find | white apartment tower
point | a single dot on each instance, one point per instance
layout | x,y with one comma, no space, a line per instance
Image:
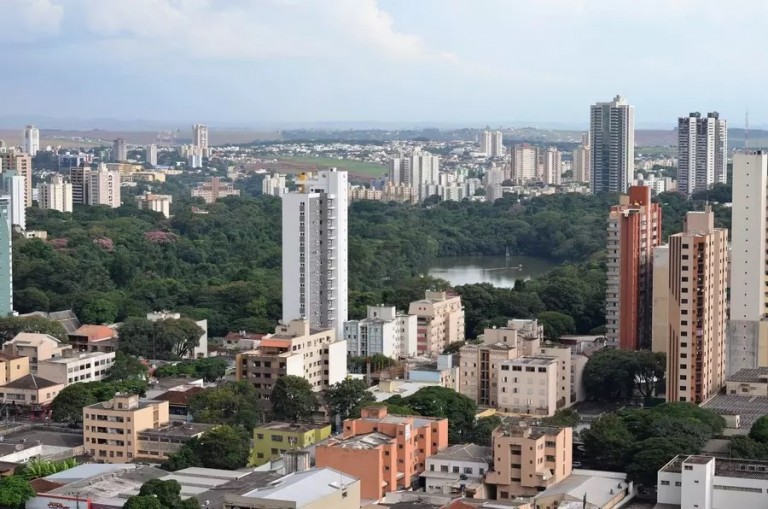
552,166
420,170
151,154
315,250
104,187
702,147
581,160
492,143
15,186
30,141
200,136
273,185
612,134
384,331
55,195
486,143
524,162
748,326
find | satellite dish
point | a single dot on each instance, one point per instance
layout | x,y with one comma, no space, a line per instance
107,404
522,424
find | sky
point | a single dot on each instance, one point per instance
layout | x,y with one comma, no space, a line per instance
453,62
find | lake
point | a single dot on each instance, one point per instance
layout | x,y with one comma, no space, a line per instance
497,270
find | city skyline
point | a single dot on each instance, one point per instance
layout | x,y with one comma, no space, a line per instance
280,62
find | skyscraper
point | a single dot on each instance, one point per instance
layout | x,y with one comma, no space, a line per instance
21,163
612,134
104,187
315,250
524,162
748,324
30,141
695,294
200,137
80,177
119,150
497,144
486,143
151,154
552,166
581,158
6,258
702,148
419,169
55,195
634,229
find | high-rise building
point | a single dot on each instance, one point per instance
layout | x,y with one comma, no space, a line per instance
55,195
315,250
612,135
695,295
30,141
200,136
440,321
581,160
702,150
384,331
11,160
13,185
486,143
273,185
634,230
553,163
104,187
6,257
492,143
748,324
119,150
80,177
151,154
524,162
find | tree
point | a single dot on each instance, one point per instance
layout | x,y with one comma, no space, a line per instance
556,324
142,502
482,433
233,403
652,454
30,299
211,369
15,491
454,347
608,442
566,417
225,447
168,493
292,399
747,448
10,326
759,430
649,372
182,335
185,457
98,309
126,367
168,339
43,468
345,398
443,402
68,404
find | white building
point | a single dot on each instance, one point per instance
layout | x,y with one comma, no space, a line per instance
702,152
553,163
419,169
612,135
458,470
486,143
156,203
528,385
201,350
524,163
315,250
104,188
80,367
453,192
582,160
119,150
151,154
15,186
200,137
747,336
492,143
384,331
55,195
273,185
30,142
704,482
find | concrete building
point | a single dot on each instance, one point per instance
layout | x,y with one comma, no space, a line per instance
529,459
156,203
492,143
76,367
6,257
55,195
528,386
582,160
21,163
419,170
13,185
12,367
316,488
386,452
294,349
748,325
634,230
384,331
157,443
439,322
274,185
199,351
30,140
458,471
119,150
150,154
695,293
30,391
612,136
704,482
315,251
93,338
111,428
400,193
200,137
444,372
524,163
553,163
702,152
744,400
38,347
603,490
214,189
103,187
272,440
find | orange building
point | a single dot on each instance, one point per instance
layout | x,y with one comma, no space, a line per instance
634,229
386,452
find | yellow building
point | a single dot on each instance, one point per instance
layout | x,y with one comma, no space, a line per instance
271,440
111,428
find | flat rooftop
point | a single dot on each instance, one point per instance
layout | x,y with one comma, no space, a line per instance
754,375
724,467
534,360
176,430
291,427
304,487
53,437
368,441
465,452
76,356
749,408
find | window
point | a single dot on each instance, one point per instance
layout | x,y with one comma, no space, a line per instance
665,483
455,470
468,470
443,468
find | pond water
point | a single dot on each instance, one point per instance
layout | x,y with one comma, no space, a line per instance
498,270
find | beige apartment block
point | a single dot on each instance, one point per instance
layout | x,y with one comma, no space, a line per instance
294,349
13,367
76,367
111,428
440,322
38,347
528,459
528,386
21,163
214,189
30,391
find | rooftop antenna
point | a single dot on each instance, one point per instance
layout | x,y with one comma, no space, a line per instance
746,129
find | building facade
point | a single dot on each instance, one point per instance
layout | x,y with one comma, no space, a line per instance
272,440
457,471
200,137
528,386
702,152
30,141
104,187
384,331
612,137
582,160
315,251
150,154
156,203
14,186
524,163
30,392
294,349
119,150
214,189
274,185
76,367
38,347
439,322
21,163
634,230
6,257
55,195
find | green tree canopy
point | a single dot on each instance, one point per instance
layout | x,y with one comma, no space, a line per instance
759,430
126,367
615,375
233,403
68,404
10,326
15,491
292,399
443,402
345,398
167,339
224,447
556,324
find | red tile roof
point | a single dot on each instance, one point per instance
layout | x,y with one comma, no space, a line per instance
44,486
179,397
95,332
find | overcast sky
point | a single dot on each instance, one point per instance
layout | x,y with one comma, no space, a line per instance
260,62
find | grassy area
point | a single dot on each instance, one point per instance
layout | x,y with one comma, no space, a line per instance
372,169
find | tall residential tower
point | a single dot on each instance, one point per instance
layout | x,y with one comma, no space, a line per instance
30,142
702,147
612,135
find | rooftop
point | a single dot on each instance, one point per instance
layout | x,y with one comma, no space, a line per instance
290,426
402,388
32,339
179,397
30,382
95,332
533,360
517,427
109,483
749,408
304,487
724,467
78,356
215,496
750,375
465,452
68,319
177,429
369,441
601,486
9,357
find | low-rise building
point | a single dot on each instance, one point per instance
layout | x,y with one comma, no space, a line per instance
178,401
528,459
439,322
294,349
111,428
443,371
386,452
30,391
602,490
744,400
93,338
459,470
272,440
528,386
704,482
387,388
156,203
384,331
77,367
214,189
38,347
13,367
156,444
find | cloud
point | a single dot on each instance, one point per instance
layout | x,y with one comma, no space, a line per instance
28,20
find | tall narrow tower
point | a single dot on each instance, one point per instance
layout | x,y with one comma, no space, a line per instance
31,140
612,134
702,147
